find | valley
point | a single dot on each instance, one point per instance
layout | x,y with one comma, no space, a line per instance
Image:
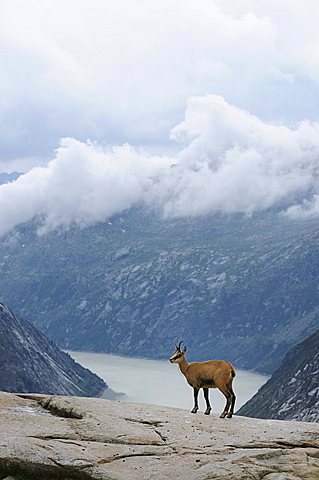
231,287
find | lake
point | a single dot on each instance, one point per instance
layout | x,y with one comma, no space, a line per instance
159,382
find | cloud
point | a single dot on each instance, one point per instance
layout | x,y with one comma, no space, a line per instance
306,209
83,184
122,70
237,163
230,161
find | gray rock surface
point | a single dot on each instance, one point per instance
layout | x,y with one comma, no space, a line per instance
292,392
30,362
89,438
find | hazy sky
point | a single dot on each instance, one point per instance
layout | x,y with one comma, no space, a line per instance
227,90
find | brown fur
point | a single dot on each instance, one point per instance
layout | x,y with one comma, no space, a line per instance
211,374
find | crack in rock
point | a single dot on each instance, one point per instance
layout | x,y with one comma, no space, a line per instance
84,440
153,423
61,409
80,463
131,455
277,444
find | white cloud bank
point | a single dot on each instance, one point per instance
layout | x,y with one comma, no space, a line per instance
231,162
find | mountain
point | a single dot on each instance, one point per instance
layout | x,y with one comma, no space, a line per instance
292,393
8,177
232,287
29,362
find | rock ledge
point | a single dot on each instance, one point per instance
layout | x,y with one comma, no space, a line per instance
87,438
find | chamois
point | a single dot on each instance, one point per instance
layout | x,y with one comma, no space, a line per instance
211,374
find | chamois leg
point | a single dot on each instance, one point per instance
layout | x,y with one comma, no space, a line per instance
196,390
233,399
208,407
228,402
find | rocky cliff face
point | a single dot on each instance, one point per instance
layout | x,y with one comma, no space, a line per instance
236,288
29,362
93,439
292,392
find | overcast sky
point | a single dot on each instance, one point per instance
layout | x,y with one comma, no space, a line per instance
225,89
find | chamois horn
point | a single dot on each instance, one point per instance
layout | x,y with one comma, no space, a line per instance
179,345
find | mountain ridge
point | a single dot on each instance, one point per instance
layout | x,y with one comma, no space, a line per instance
30,362
292,392
231,287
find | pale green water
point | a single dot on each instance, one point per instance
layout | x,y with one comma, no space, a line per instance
159,382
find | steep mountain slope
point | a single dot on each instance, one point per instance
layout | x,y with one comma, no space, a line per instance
292,393
29,362
238,288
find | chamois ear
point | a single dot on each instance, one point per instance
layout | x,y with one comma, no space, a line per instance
185,349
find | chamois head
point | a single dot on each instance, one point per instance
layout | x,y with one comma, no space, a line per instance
178,355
